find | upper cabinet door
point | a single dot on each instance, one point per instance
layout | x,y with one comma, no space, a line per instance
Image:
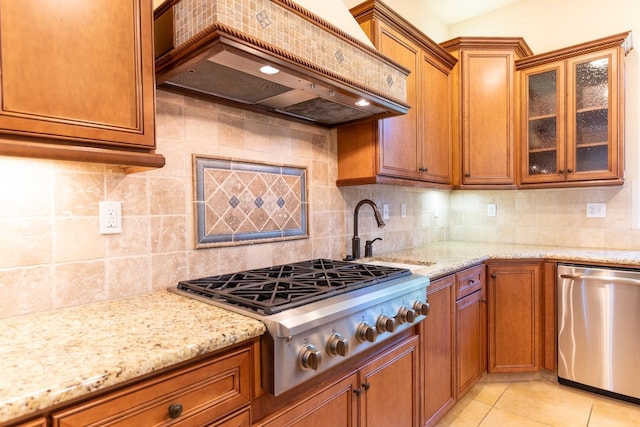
592,134
400,153
77,74
543,156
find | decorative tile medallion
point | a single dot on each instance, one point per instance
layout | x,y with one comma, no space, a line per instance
239,203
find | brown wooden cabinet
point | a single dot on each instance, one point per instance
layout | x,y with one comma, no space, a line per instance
412,149
484,110
515,316
382,392
39,422
470,325
78,81
214,392
573,114
437,337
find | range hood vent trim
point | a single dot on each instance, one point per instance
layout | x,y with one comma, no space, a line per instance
204,43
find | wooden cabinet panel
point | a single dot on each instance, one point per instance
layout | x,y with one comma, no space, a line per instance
40,422
469,281
437,349
484,110
514,306
469,341
400,151
550,332
573,114
196,395
78,75
335,405
412,149
436,123
390,388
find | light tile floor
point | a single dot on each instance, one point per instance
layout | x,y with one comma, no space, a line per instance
509,401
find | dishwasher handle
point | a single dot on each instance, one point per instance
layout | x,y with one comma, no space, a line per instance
623,280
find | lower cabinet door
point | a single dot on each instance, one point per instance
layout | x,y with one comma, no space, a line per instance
437,346
515,313
335,406
389,388
470,340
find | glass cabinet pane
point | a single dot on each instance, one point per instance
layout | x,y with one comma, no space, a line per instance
542,94
542,124
592,115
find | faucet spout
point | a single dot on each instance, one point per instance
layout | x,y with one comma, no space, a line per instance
355,241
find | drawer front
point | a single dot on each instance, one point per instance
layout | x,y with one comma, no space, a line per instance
204,391
469,281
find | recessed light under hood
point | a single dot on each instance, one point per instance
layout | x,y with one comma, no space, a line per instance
215,49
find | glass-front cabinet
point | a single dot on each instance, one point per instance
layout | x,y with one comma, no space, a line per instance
572,115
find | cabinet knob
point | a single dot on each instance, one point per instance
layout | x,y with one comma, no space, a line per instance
467,175
175,410
424,169
569,170
494,275
560,170
366,386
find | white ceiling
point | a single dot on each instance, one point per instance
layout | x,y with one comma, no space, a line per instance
452,11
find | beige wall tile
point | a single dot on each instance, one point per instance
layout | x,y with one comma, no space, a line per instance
77,239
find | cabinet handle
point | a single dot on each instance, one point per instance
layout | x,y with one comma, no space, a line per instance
357,391
569,170
175,410
366,386
484,301
494,275
560,170
468,175
424,169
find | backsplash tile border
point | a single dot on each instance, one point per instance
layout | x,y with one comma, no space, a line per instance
240,202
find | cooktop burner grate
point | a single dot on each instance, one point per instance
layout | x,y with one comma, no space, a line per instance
274,289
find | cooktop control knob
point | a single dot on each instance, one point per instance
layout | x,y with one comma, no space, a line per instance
406,315
337,345
309,357
422,308
385,324
365,333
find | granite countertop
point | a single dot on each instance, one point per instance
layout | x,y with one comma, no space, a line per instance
439,259
51,357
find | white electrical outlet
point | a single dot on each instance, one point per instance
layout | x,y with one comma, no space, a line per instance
110,217
385,211
596,210
491,209
403,210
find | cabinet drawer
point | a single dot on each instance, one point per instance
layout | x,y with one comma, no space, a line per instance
468,281
206,392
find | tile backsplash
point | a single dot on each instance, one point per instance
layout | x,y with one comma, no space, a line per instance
52,255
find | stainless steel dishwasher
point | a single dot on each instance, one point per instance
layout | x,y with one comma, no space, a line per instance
599,330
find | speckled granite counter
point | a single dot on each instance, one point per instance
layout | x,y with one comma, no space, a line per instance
51,357
449,257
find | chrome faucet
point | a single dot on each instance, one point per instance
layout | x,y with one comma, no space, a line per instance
355,241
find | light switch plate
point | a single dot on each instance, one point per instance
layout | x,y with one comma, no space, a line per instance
403,210
596,210
491,209
110,217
